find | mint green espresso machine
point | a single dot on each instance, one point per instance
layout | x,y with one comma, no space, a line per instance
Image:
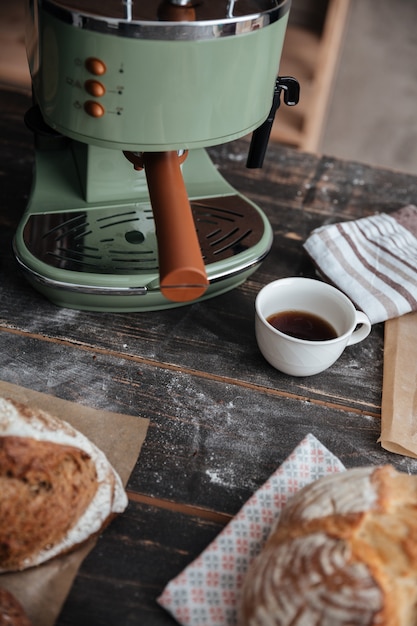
127,211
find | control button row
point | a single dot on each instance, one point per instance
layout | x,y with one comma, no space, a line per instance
95,88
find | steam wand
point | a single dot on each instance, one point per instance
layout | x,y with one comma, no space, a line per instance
127,5
260,136
230,7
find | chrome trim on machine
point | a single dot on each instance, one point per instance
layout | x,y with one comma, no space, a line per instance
166,31
96,290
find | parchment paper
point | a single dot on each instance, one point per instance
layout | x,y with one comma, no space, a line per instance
42,590
399,390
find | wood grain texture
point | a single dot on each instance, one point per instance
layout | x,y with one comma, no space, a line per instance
221,419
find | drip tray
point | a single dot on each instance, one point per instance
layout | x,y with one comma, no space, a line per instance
121,239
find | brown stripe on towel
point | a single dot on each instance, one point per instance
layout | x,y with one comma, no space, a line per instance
399,288
384,301
395,240
395,286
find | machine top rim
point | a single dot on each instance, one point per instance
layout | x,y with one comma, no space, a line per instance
213,18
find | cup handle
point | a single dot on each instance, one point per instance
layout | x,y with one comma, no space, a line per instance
363,329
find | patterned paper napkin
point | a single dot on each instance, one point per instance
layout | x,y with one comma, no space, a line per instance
206,593
373,260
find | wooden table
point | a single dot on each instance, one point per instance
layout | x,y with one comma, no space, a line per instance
221,419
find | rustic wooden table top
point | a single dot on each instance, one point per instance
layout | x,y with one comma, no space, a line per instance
221,419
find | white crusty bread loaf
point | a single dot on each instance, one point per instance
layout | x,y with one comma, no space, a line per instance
344,552
57,488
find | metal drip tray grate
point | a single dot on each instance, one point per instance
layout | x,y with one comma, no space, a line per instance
122,240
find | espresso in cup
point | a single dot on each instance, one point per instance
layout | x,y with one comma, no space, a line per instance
302,325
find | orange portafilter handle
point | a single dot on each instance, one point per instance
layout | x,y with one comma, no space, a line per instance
181,267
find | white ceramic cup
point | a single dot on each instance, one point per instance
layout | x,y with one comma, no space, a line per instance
302,357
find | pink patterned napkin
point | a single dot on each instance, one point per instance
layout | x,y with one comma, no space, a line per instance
206,592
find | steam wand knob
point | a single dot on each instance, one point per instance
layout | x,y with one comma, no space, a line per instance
260,137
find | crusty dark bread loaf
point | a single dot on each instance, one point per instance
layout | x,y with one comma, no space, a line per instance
344,552
11,611
56,488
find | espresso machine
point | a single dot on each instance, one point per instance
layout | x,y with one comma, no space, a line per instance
127,211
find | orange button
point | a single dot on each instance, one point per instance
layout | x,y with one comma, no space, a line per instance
93,108
95,88
95,66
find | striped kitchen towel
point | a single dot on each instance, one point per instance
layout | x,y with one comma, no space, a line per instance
373,260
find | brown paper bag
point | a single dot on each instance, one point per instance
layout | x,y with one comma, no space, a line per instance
42,590
399,390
